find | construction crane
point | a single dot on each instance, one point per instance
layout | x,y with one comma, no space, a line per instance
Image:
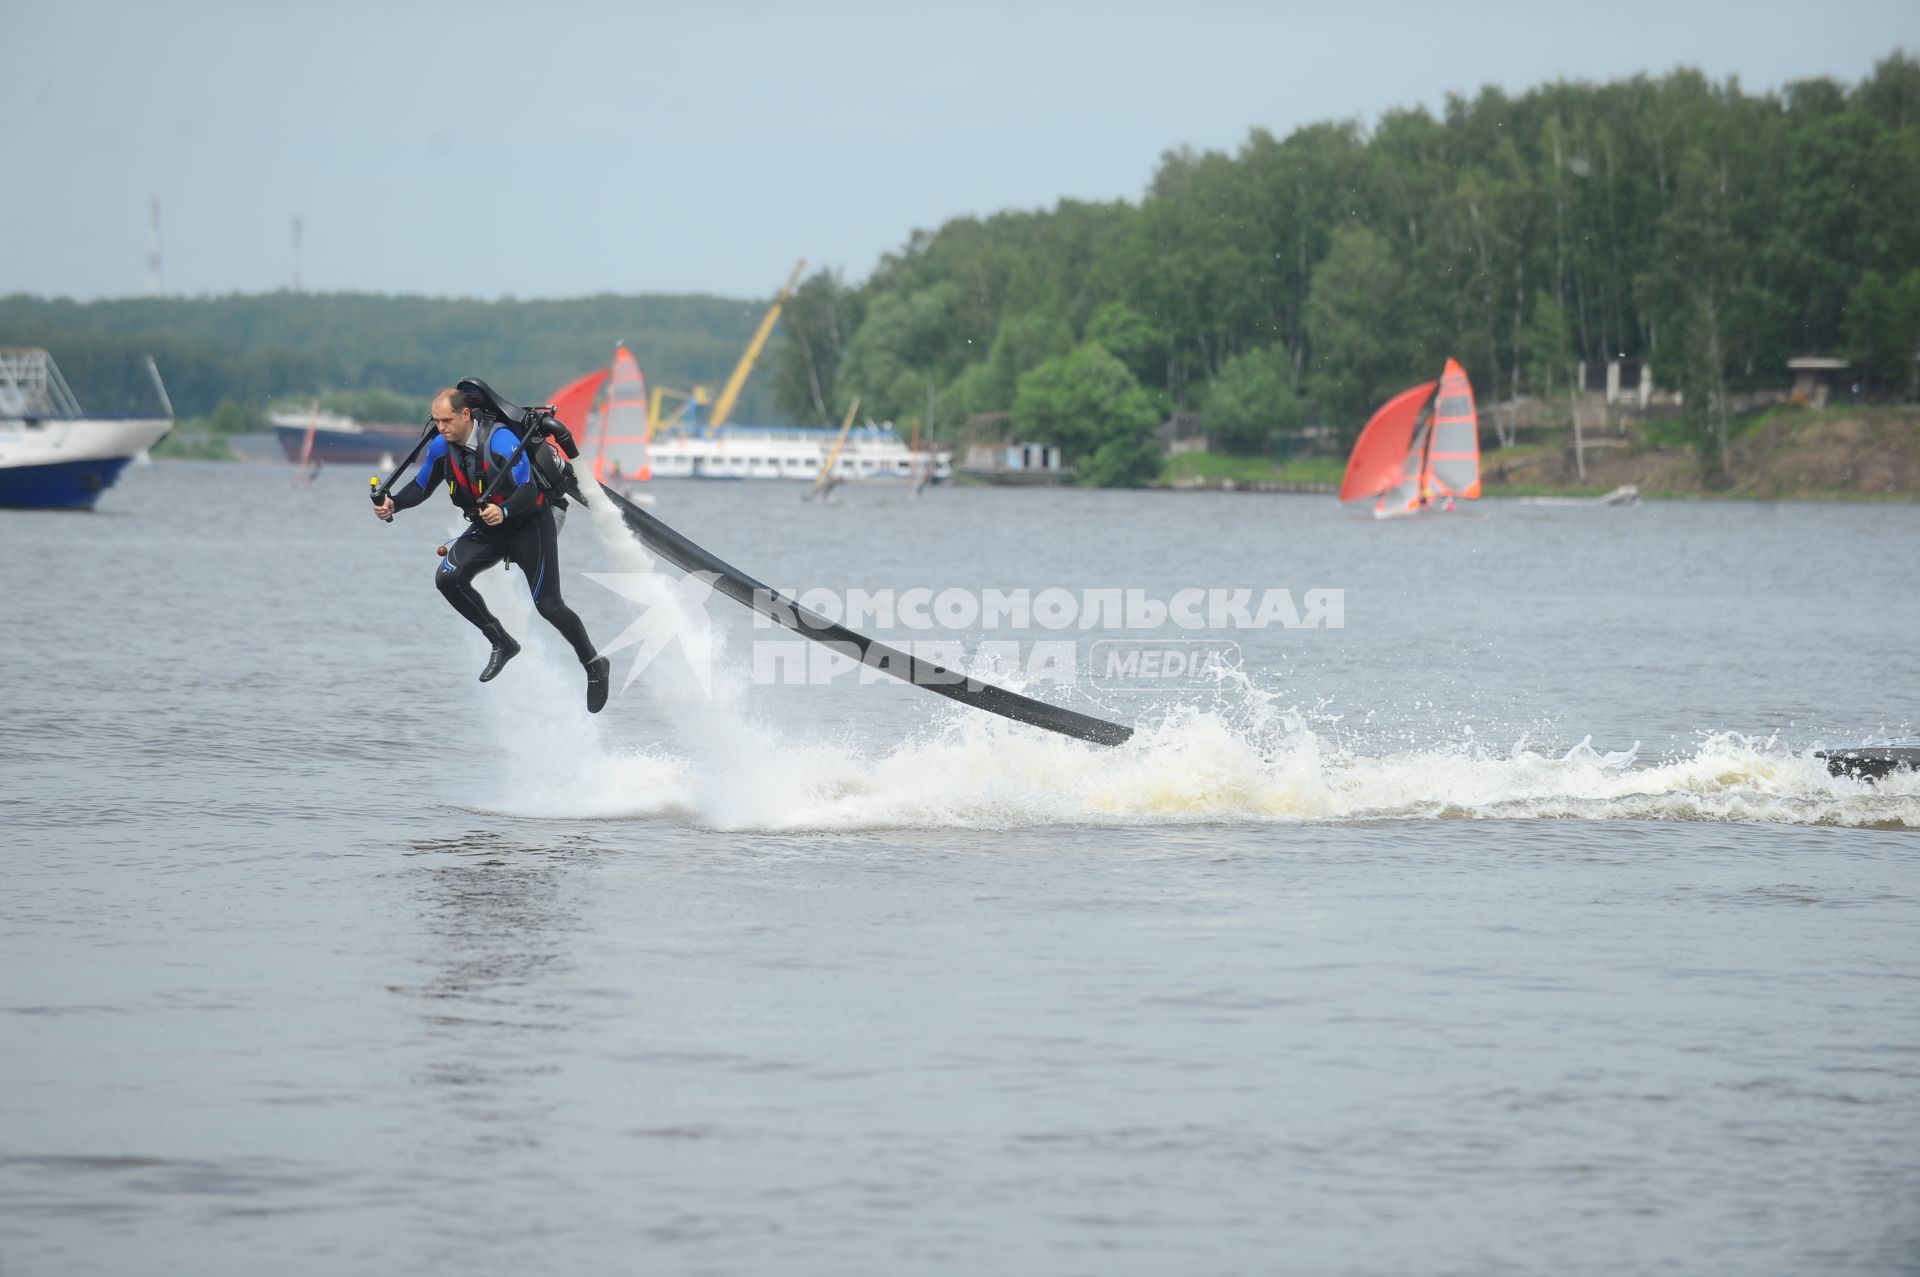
700,396
686,414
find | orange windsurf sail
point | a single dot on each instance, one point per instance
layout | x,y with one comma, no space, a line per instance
1380,453
572,401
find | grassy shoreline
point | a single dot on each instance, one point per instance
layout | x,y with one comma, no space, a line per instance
1865,454
1869,455
192,445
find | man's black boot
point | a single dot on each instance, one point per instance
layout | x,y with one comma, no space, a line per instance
504,650
597,670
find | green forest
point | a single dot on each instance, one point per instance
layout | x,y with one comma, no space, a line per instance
1709,231
255,351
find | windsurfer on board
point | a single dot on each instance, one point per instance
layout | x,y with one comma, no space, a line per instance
517,523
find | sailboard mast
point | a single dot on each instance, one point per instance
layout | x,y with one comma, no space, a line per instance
308,470
824,480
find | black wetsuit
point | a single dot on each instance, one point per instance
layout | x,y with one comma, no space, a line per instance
529,535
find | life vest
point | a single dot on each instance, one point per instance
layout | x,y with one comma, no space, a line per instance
469,470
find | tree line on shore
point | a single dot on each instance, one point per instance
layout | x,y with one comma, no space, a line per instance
1712,232
1709,231
282,349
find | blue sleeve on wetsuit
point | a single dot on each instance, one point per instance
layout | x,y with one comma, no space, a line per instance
502,444
415,490
435,451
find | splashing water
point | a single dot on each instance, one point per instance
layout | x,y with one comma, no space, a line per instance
1246,757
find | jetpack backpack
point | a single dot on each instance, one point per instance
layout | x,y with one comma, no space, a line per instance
550,446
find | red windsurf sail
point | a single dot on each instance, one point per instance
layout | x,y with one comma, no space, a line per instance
1380,453
572,402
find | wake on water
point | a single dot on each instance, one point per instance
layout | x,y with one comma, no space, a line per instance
1243,759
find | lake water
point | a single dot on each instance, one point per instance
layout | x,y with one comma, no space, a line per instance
1509,927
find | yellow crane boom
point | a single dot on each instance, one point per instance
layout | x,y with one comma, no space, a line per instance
723,406
688,401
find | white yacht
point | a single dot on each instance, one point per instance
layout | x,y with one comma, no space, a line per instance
52,455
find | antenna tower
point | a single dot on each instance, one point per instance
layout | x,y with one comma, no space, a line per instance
153,247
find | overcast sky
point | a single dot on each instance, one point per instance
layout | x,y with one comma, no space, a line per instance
556,149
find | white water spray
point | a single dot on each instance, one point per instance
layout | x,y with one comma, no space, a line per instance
1248,757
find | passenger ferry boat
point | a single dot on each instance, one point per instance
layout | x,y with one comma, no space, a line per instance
52,455
792,452
628,438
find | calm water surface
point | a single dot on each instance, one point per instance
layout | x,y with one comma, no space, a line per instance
1509,928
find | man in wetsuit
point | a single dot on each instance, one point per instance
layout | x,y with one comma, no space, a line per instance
517,522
